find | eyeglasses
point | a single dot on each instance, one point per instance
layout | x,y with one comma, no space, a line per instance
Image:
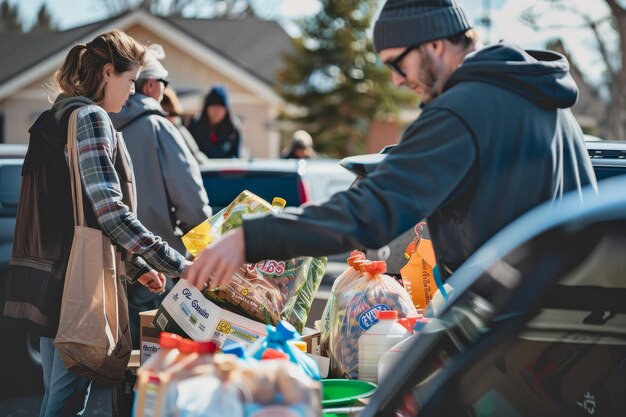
394,64
165,82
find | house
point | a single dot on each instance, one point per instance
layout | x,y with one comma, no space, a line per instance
243,54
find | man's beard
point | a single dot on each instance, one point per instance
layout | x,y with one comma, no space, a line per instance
429,79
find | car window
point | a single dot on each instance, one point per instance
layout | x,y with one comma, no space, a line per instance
604,172
10,183
223,187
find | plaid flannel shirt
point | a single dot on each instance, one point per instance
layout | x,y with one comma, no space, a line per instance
96,144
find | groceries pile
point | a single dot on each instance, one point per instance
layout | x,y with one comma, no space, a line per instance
248,359
187,378
266,291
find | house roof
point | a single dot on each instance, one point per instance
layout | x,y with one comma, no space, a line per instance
24,50
256,45
253,45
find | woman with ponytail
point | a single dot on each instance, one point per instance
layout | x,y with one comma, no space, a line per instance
96,78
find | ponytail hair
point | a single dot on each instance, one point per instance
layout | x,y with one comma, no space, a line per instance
81,72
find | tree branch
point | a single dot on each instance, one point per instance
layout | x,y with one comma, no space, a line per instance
616,9
604,53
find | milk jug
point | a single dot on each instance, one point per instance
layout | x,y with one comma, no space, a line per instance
377,340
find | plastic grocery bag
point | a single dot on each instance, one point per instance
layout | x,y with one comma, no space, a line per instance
417,275
278,338
356,297
267,291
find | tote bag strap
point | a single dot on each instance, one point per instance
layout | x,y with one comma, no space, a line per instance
75,182
79,217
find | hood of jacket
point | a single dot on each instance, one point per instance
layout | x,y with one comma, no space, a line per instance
137,106
48,134
541,76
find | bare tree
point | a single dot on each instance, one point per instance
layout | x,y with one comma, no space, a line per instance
232,9
611,53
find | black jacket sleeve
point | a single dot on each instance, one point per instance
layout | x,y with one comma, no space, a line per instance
432,161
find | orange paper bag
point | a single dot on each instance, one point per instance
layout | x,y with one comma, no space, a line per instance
417,275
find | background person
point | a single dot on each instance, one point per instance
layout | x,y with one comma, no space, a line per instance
301,146
96,77
496,137
166,174
174,109
215,129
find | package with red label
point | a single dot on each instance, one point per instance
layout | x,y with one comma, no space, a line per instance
357,296
267,291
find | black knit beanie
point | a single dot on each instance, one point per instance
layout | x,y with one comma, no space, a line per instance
414,22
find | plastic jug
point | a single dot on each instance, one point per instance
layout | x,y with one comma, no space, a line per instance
377,340
155,381
396,352
148,380
392,356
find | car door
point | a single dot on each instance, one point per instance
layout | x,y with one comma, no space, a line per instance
536,325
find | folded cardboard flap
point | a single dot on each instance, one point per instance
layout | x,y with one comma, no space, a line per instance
312,339
148,335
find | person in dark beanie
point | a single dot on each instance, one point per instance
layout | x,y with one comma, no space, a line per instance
495,138
215,129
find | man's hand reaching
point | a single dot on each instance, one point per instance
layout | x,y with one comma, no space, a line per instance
216,264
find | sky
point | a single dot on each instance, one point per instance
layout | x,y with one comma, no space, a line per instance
504,16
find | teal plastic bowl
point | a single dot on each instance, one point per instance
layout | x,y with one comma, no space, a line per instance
344,392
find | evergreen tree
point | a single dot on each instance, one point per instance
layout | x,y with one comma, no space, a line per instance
9,17
44,22
335,76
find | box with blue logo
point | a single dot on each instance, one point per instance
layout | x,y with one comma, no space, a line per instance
185,311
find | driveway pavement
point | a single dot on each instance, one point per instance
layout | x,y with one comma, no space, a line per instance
99,404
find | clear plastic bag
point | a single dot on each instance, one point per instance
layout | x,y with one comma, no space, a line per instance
356,297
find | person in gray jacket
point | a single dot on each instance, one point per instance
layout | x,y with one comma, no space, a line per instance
166,174
495,138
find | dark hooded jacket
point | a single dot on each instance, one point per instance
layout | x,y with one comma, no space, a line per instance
222,140
498,141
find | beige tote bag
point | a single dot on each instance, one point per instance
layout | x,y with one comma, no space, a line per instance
93,336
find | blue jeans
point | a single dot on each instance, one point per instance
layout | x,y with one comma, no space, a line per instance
66,394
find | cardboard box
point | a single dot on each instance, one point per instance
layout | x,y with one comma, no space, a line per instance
185,311
312,339
148,335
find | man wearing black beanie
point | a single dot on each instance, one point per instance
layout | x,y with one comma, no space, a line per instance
495,138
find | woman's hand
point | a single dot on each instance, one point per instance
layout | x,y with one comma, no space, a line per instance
154,281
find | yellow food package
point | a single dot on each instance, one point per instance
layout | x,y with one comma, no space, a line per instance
228,218
267,291
198,238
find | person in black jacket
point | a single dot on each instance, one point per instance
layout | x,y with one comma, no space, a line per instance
216,129
495,138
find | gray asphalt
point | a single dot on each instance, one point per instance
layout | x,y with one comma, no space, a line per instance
99,404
